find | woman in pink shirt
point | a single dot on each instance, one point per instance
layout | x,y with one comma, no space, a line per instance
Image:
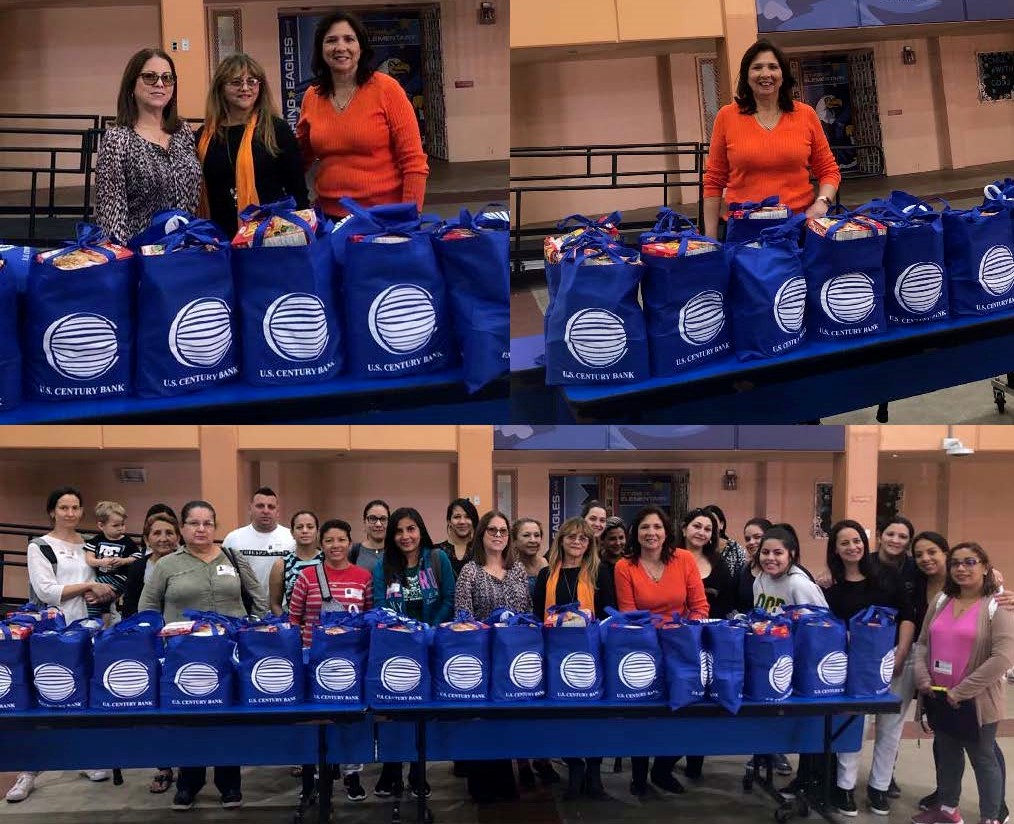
965,648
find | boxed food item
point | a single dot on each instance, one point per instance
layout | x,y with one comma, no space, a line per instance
779,630
570,618
43,614
84,257
19,632
853,229
552,247
380,239
463,626
459,233
778,212
671,248
177,628
156,249
279,232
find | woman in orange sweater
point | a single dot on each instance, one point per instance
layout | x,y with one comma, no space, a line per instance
662,579
358,125
766,143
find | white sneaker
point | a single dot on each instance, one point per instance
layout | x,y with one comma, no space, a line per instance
22,788
96,775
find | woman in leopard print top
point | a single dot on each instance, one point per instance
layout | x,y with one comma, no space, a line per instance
494,577
146,162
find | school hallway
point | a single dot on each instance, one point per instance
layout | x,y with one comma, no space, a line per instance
270,793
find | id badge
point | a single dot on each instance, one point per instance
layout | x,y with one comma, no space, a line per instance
943,667
226,569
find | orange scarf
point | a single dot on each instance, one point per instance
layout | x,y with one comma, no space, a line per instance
585,590
246,185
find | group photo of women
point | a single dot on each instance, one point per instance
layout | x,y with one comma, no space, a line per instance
954,636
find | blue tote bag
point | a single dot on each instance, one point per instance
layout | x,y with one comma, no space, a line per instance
724,667
186,320
573,659
597,333
872,635
748,227
198,669
396,308
477,272
270,667
767,657
15,694
631,656
162,223
518,657
337,662
362,220
687,667
767,295
62,665
398,671
289,332
979,250
10,349
685,301
820,657
125,669
845,282
459,660
78,331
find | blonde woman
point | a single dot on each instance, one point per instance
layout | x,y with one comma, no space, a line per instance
248,154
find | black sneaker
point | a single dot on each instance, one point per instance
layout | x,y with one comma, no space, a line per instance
638,788
353,788
386,787
183,800
415,790
893,790
1004,816
231,799
844,801
929,802
879,802
667,782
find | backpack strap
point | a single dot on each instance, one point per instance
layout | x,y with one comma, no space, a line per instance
244,594
47,551
435,564
322,584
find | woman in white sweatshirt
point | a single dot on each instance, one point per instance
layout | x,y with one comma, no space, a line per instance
782,581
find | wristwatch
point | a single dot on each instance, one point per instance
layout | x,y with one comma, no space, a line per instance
826,200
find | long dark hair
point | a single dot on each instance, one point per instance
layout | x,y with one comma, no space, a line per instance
322,80
989,585
126,104
744,94
668,545
394,558
905,522
467,507
834,562
789,540
710,550
716,510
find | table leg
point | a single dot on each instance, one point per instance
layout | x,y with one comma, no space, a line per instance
825,784
323,777
422,813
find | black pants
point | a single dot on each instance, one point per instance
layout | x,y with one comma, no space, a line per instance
491,780
191,779
392,770
639,766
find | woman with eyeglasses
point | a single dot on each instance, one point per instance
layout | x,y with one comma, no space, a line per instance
203,576
357,126
494,578
146,161
576,575
248,153
369,552
964,650
462,524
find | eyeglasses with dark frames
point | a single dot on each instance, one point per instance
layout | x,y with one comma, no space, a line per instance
152,78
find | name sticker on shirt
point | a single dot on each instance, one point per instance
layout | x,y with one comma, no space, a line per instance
226,569
943,667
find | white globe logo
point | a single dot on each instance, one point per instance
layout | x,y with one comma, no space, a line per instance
201,333
335,674
295,327
400,674
996,270
54,682
273,675
707,668
596,338
637,670
402,319
126,679
196,679
526,670
887,667
780,675
919,287
790,305
81,346
848,298
578,670
832,669
6,681
504,216
463,672
702,318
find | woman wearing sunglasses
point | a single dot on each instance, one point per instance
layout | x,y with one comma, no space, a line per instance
248,154
965,647
146,160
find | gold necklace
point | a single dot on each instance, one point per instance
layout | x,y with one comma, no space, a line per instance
765,126
655,576
343,106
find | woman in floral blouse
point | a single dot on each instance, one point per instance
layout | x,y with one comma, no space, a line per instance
146,161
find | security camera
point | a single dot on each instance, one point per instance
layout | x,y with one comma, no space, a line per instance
954,446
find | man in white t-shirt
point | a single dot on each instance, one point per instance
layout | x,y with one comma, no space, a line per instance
263,540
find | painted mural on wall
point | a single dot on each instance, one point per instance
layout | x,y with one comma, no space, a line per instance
996,76
797,15
824,85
